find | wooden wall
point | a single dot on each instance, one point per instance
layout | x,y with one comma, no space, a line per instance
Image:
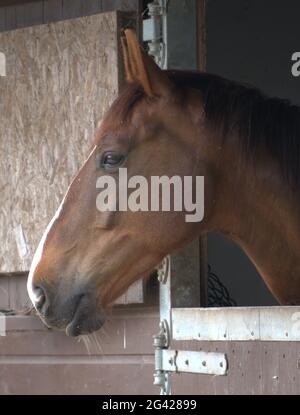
44,11
119,360
61,78
36,360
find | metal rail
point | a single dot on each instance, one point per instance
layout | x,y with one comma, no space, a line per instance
274,323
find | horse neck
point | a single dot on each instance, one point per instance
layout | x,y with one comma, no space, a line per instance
257,210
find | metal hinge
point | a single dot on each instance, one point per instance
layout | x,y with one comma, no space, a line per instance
163,270
154,31
179,361
161,343
182,361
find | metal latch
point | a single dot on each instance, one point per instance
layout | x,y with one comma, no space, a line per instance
154,31
178,361
181,361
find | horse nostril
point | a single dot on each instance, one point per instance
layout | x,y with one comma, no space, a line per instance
40,298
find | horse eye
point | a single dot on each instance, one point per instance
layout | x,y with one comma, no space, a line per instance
111,160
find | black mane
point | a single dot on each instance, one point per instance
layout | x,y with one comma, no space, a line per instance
258,121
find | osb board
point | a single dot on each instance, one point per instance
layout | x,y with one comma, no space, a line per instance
61,78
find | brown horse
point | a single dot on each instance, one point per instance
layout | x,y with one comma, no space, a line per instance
185,124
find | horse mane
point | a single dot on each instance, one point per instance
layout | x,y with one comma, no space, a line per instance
258,121
233,109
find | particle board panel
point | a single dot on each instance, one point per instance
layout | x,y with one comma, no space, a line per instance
17,14
61,79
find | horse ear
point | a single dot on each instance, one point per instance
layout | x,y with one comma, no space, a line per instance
140,67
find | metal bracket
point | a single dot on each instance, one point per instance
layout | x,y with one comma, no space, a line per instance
163,269
276,323
161,342
154,31
178,361
182,361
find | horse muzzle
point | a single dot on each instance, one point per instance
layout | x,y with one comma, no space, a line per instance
77,314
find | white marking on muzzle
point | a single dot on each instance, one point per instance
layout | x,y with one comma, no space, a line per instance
39,252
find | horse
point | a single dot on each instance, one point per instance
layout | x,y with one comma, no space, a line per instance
173,123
